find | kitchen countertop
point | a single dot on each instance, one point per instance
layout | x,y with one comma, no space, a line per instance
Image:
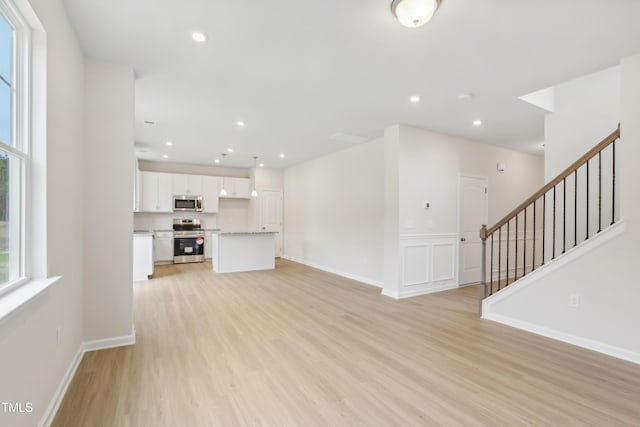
143,232
245,232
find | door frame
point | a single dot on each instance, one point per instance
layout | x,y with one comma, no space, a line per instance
458,217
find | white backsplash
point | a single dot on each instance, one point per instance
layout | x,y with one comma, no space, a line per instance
164,221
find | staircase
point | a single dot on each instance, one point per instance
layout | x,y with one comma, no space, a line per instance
578,204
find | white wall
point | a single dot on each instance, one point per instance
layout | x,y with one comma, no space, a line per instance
587,109
422,256
108,222
604,277
334,212
429,166
32,364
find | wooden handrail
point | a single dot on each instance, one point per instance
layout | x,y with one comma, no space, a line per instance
568,171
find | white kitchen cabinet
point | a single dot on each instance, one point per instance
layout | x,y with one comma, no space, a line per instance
156,192
237,188
187,185
210,194
142,256
163,245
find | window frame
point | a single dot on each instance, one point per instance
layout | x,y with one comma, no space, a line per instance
20,146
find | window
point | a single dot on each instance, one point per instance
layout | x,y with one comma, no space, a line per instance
14,146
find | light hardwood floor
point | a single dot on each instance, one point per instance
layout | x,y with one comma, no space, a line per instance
300,347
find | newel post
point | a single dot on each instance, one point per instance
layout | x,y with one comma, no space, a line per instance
483,277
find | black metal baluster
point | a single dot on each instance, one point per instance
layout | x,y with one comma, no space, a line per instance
575,208
599,191
491,273
553,240
524,245
515,269
613,184
564,215
586,237
508,244
533,264
544,225
499,255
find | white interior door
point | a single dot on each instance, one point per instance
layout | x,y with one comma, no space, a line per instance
271,215
472,208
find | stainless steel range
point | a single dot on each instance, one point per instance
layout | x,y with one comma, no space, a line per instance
188,241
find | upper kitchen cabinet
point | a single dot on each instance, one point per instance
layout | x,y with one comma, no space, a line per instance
237,188
210,194
187,185
156,192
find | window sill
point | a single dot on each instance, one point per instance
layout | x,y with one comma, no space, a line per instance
13,301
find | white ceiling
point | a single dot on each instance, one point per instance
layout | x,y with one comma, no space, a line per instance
300,71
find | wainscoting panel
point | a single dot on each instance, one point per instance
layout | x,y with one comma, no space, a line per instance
428,264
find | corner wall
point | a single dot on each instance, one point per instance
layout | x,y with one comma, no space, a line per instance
423,254
108,220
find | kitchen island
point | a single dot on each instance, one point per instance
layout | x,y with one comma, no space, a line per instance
235,251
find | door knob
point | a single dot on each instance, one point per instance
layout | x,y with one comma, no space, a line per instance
462,239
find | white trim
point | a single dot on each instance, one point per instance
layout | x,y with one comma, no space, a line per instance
418,292
428,236
355,277
58,396
600,347
84,347
12,302
111,342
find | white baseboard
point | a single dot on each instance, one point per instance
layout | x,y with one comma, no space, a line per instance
600,347
51,411
355,277
84,347
110,342
418,292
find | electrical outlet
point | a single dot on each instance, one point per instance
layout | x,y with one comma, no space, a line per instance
574,301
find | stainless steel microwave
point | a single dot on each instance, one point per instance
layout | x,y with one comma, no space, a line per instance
187,203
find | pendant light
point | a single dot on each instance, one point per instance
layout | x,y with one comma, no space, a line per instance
223,191
254,192
414,13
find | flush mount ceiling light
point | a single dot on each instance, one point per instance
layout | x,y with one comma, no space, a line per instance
199,37
414,13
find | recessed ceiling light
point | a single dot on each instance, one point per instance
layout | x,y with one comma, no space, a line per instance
240,123
165,156
149,123
199,37
477,122
414,99
261,165
168,143
217,160
466,96
282,156
230,150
